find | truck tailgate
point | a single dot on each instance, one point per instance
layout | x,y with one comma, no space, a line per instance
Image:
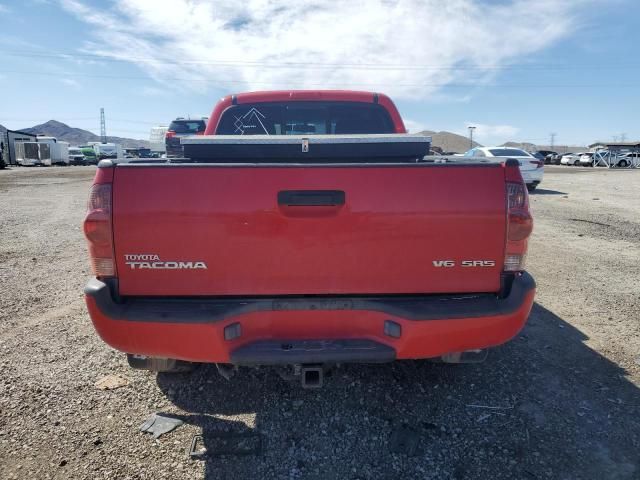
303,229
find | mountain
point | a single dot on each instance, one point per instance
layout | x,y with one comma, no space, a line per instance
529,147
449,142
77,136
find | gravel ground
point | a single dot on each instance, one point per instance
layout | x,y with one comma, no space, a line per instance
560,401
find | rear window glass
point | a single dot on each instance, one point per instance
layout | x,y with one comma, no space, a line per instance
305,118
187,126
508,152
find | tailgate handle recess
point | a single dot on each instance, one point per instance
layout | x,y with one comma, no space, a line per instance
311,198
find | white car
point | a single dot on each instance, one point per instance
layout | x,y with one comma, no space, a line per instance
586,159
571,159
531,168
627,159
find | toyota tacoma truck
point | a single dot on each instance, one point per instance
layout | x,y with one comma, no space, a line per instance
307,229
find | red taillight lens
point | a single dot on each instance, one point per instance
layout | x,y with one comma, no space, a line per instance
170,134
519,221
97,230
519,226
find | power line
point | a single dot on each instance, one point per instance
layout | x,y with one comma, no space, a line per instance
270,64
235,82
74,119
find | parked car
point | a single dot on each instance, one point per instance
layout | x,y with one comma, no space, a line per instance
627,159
555,158
181,127
586,159
621,160
255,258
545,155
89,154
531,168
571,159
76,157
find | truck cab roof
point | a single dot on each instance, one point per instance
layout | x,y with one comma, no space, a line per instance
290,96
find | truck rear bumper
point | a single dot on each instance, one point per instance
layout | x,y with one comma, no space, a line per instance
283,330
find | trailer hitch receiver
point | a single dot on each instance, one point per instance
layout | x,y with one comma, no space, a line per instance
312,376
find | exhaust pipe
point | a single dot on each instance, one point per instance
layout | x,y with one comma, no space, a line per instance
312,376
469,356
157,364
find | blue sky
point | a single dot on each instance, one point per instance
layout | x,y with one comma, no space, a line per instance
518,70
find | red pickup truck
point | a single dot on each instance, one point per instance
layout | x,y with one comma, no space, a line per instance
307,228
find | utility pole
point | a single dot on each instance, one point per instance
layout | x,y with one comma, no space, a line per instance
103,127
623,137
553,138
471,129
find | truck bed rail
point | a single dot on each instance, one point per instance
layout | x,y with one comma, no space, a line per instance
287,148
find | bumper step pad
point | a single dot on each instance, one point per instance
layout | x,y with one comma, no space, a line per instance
286,352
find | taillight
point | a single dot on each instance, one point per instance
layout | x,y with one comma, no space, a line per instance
519,220
537,163
170,134
98,231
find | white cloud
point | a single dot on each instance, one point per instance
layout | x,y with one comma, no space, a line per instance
13,41
70,82
152,91
414,126
407,48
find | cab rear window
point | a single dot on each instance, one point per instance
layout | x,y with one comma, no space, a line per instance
187,126
305,118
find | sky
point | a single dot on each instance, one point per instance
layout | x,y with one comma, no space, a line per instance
516,70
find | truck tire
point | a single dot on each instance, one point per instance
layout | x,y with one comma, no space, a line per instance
153,364
622,163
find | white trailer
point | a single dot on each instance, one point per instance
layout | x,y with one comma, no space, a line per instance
112,151
58,152
44,152
14,137
27,154
157,139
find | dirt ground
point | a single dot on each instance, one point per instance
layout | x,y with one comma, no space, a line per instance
560,401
